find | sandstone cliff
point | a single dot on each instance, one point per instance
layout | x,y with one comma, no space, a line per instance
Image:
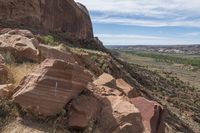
60,16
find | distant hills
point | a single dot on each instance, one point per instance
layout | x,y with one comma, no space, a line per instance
184,49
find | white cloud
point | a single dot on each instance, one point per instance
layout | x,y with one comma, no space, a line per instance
148,7
130,36
191,34
152,12
127,39
148,23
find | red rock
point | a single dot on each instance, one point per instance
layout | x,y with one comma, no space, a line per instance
84,109
6,90
45,15
111,84
105,90
2,61
4,72
3,90
126,89
47,90
152,114
53,53
119,116
105,79
19,44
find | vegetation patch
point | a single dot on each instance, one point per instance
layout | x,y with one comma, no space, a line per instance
19,71
8,112
168,58
49,40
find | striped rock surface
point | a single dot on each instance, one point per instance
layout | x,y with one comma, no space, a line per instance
47,90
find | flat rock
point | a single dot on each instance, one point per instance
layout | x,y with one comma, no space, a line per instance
51,86
152,114
84,109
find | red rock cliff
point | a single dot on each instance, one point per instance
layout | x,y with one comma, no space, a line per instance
63,16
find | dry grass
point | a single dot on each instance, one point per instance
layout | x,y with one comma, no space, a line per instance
19,71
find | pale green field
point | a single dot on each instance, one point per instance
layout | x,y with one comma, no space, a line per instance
185,73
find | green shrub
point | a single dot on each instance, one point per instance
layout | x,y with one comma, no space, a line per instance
93,57
168,58
105,66
49,40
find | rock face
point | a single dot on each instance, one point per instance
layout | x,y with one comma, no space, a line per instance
84,109
4,72
20,44
152,114
47,90
119,116
46,15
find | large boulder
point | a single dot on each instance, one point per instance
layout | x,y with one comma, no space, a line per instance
119,116
152,114
84,110
63,16
4,72
20,44
51,86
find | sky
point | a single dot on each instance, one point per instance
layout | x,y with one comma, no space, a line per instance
145,22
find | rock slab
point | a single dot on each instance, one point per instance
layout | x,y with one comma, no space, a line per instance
152,114
51,86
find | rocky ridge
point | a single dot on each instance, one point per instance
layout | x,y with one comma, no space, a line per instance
60,81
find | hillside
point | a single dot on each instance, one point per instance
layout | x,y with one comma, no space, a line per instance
56,77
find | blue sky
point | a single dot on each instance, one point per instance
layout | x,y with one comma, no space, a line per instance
145,22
